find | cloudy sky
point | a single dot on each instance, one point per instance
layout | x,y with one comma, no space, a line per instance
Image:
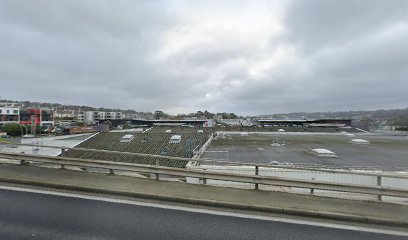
248,57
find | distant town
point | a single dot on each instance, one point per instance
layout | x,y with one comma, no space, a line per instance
27,118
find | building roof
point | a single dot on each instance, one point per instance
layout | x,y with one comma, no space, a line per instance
147,146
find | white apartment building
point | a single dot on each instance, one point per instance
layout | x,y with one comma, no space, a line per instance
91,117
237,122
64,113
9,115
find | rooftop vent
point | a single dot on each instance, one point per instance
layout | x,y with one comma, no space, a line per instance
127,138
175,139
359,141
168,131
322,152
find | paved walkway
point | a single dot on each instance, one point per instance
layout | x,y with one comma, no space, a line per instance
277,202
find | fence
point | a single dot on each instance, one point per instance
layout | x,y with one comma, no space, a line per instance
255,178
371,179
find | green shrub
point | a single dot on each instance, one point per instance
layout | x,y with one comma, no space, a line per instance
12,129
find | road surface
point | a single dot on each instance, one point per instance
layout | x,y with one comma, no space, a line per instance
31,215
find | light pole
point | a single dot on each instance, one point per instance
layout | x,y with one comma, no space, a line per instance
33,127
21,129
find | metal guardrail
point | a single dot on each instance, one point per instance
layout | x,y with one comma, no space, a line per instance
203,174
378,173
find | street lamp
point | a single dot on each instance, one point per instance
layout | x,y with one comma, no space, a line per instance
21,129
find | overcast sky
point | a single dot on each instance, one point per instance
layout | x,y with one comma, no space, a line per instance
248,57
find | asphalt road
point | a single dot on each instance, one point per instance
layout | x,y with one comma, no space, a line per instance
26,215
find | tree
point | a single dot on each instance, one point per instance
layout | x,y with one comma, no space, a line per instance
159,114
13,129
233,116
109,123
80,124
365,123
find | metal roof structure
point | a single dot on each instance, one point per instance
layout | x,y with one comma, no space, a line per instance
148,145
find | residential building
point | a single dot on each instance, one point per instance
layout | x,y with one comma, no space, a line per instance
91,117
64,114
9,115
42,117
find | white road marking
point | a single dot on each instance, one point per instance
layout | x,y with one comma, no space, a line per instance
205,211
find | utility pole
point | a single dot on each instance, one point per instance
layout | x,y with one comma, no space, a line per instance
33,127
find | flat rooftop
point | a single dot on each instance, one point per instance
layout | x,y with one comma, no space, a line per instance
383,152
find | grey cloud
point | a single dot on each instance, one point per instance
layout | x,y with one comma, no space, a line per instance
329,55
319,23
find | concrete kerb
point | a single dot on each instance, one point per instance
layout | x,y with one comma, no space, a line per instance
218,204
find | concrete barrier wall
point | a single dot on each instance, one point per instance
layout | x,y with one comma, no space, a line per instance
345,178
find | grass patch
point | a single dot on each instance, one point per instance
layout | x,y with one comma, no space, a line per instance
4,140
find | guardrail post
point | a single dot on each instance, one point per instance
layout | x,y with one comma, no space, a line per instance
24,162
204,180
62,166
312,189
379,196
156,174
111,172
256,174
